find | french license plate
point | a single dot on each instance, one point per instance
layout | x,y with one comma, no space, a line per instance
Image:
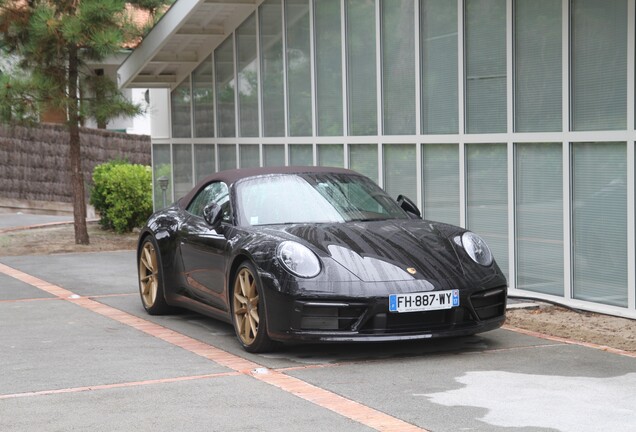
427,301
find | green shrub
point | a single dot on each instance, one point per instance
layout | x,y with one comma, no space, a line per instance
122,194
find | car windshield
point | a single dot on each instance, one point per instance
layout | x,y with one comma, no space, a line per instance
312,198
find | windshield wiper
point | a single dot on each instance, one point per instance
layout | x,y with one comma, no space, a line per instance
367,219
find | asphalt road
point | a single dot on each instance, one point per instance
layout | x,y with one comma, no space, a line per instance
78,352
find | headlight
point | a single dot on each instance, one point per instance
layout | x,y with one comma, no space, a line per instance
298,259
477,248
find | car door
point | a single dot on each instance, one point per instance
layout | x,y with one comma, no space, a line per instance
204,250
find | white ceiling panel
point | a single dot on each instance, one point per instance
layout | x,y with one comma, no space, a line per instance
188,32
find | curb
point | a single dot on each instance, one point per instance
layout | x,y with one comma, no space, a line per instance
44,225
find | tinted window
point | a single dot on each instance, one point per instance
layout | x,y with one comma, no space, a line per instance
214,192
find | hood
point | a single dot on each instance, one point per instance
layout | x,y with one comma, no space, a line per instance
389,250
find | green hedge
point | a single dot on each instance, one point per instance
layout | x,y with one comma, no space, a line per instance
122,195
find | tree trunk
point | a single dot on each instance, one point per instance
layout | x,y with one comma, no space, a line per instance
99,96
75,157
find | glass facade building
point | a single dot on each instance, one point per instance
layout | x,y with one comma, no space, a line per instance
512,118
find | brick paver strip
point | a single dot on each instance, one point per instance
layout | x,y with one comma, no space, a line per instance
324,398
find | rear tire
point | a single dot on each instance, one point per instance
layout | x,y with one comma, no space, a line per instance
248,310
151,284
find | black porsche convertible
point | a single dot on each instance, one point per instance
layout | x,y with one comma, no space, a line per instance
317,255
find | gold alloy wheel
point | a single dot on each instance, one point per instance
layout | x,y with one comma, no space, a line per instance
246,306
148,274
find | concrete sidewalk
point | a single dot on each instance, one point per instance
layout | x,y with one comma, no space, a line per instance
22,220
79,352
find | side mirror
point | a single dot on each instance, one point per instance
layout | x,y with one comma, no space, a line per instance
409,206
213,215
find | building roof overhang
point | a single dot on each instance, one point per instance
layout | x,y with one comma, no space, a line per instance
188,32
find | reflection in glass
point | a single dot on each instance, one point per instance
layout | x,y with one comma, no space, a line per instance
162,169
438,33
599,222
180,110
182,161
328,67
224,73
400,170
363,158
599,65
331,155
271,40
301,154
247,77
312,198
204,160
398,67
539,217
298,67
203,99
487,197
361,58
250,156
440,182
538,74
227,156
485,33
273,155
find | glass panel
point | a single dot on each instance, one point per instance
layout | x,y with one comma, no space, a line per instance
331,155
180,110
398,67
247,77
301,154
298,67
599,222
361,71
224,73
162,171
328,67
250,156
204,160
599,64
438,44
214,192
440,182
487,197
271,29
273,155
227,156
182,160
485,22
539,217
326,198
538,66
400,170
364,159
203,99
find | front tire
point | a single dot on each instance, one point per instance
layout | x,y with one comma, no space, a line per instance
151,278
248,310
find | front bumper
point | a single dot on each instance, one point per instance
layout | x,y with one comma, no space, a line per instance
333,319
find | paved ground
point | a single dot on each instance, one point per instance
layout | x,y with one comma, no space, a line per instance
17,220
78,352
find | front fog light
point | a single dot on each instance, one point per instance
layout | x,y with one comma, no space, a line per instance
298,259
477,248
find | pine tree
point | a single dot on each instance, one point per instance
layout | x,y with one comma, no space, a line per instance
54,41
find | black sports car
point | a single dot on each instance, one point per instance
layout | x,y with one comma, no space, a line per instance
316,254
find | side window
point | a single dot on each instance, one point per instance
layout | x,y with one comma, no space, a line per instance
214,192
